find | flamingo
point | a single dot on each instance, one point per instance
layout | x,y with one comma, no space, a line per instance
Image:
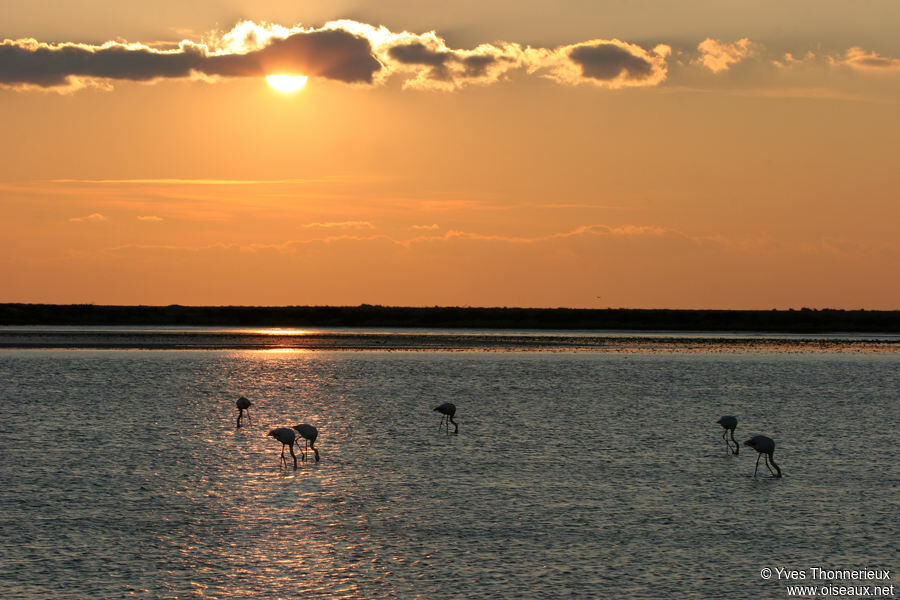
242,405
309,435
764,445
729,423
286,436
448,409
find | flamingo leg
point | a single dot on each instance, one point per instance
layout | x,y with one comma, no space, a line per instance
294,456
758,456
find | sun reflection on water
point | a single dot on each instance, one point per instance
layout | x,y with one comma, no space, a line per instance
282,351
280,331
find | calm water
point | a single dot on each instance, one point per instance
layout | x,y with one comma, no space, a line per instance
588,474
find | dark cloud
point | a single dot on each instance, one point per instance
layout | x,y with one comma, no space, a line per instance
417,53
456,67
48,66
608,61
333,54
346,51
477,65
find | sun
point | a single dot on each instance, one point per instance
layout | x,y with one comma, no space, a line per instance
286,83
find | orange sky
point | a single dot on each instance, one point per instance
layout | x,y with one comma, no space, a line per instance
601,155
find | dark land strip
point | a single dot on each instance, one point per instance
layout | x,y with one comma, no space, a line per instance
804,321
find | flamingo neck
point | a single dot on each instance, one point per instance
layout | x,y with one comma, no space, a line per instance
737,447
772,460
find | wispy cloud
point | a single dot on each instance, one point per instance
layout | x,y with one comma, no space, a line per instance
340,225
187,181
808,93
761,243
580,231
92,218
861,60
150,219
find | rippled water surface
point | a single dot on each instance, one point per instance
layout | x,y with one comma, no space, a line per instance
574,474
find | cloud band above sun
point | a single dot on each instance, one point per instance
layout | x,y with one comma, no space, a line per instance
357,53
330,53
346,51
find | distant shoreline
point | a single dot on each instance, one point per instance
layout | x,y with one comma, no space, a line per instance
776,321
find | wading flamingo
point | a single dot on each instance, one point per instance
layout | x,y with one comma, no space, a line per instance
242,405
286,436
764,445
309,435
729,423
448,409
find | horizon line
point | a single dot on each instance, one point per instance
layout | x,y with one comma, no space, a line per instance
437,307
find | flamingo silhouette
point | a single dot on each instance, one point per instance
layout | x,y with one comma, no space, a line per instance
309,435
729,423
286,436
764,445
242,405
448,409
